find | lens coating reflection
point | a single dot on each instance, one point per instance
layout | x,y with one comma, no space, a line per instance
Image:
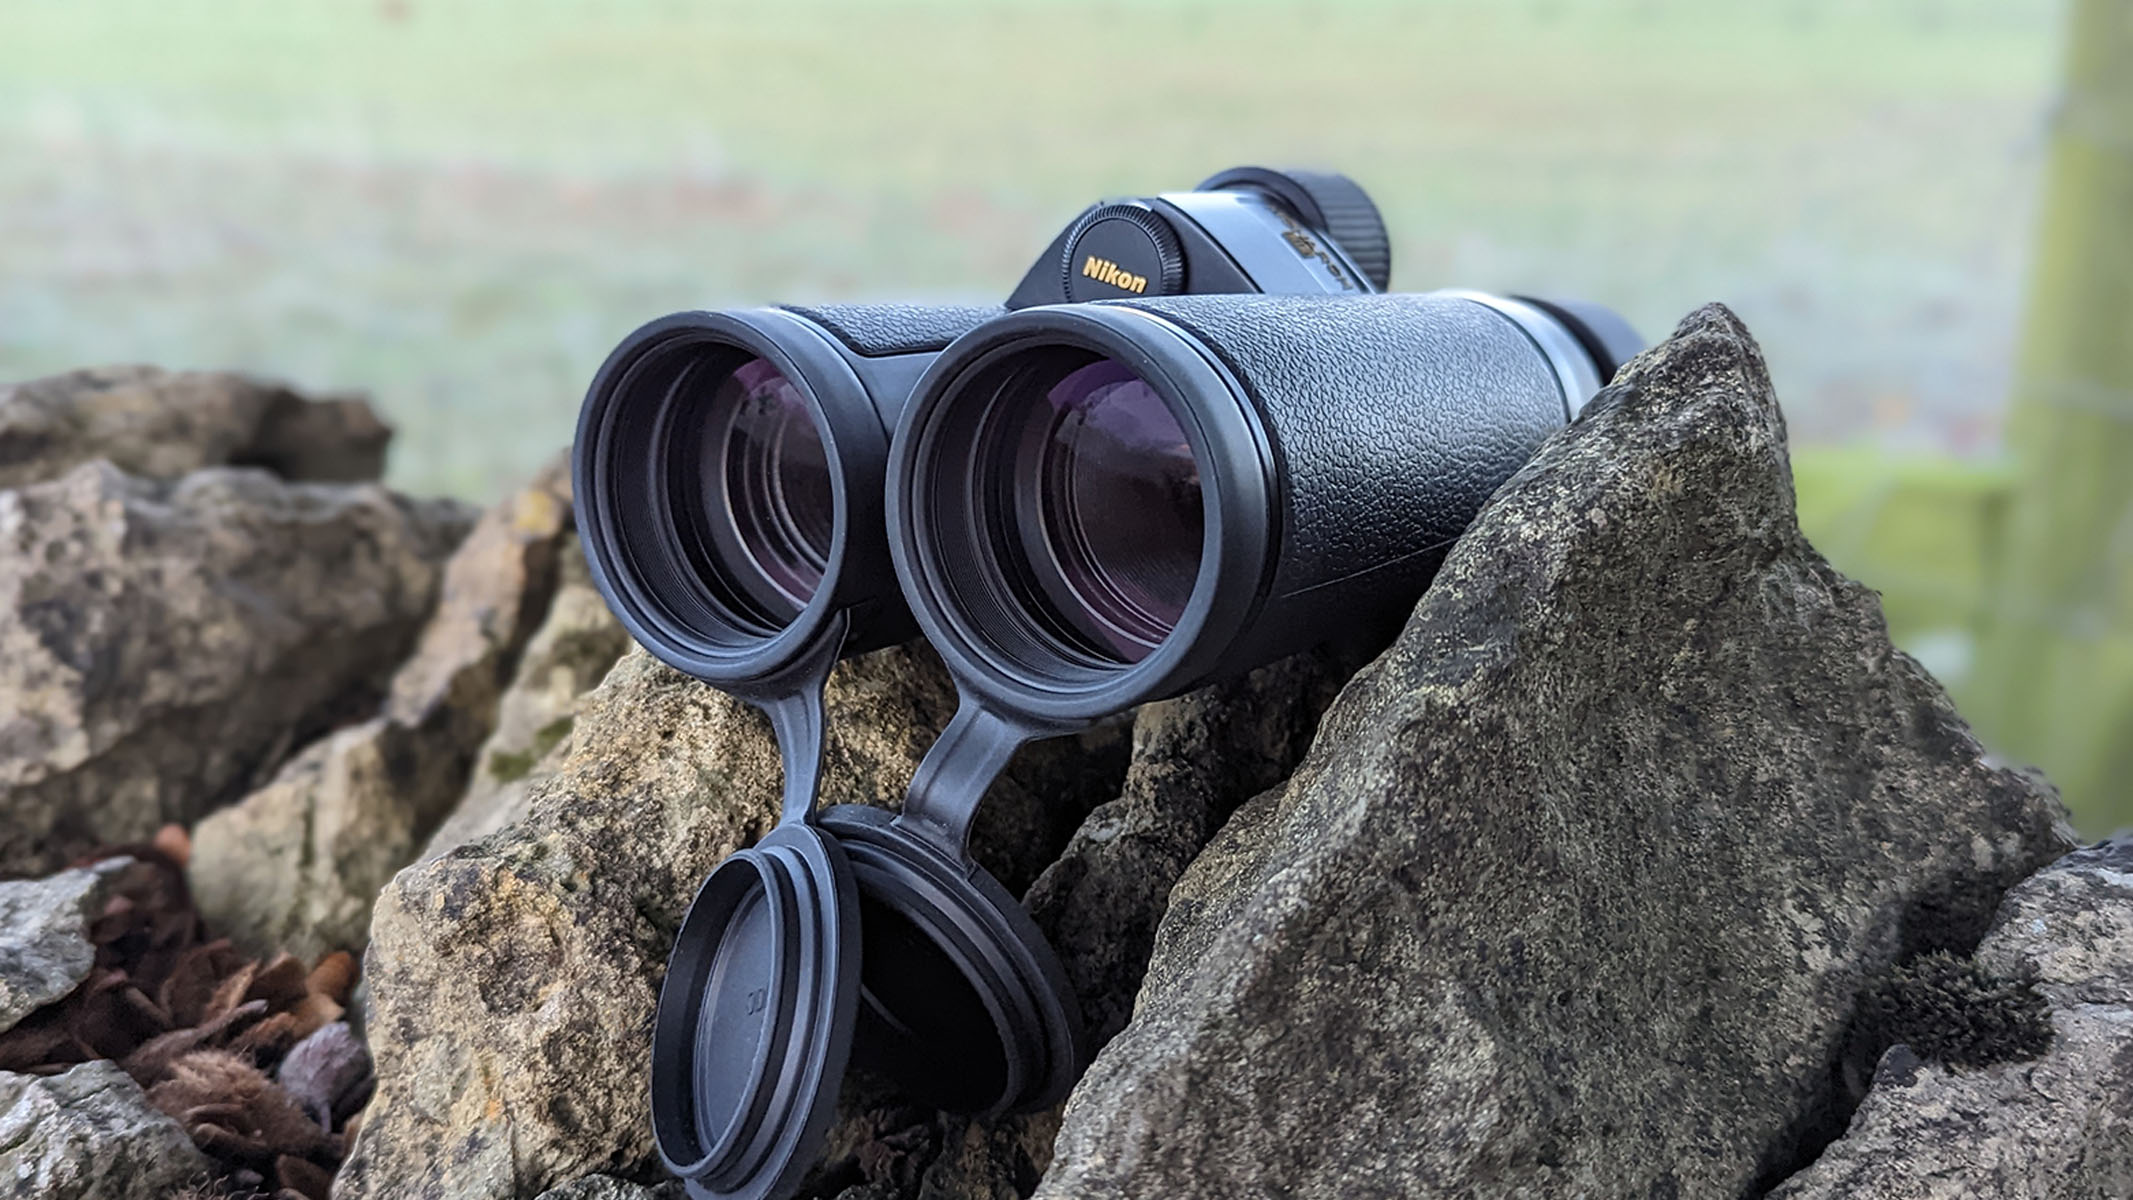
1110,511
765,501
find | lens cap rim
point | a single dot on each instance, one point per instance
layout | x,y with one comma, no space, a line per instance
982,926
805,1046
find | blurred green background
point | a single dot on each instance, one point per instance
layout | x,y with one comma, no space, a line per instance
460,206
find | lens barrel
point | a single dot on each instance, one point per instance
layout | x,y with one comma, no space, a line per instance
727,474
1096,505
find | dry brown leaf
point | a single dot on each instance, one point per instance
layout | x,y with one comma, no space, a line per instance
282,982
207,1030
302,1177
315,1013
151,1064
190,984
110,1017
269,1039
233,1109
223,1142
206,1077
48,1041
334,977
231,991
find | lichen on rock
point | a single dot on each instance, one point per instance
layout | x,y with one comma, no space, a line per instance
2049,1124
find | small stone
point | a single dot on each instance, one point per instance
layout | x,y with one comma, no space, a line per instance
45,950
90,1134
328,1073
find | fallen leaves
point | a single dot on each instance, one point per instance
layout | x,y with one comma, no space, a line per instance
250,1056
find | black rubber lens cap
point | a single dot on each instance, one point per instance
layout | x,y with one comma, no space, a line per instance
962,1003
755,1018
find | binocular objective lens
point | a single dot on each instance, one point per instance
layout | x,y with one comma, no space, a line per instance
1107,507
765,508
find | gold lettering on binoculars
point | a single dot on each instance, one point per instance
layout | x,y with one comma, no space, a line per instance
1103,270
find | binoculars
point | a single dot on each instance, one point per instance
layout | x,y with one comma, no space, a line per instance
1198,437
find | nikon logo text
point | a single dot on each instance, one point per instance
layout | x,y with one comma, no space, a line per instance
1103,270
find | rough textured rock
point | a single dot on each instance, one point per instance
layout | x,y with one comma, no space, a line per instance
164,424
89,1134
507,972
1580,879
296,865
1195,759
44,936
577,643
607,1187
276,609
2061,1126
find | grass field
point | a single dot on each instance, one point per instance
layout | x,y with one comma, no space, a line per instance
460,206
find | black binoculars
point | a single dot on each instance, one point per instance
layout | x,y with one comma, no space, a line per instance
1198,437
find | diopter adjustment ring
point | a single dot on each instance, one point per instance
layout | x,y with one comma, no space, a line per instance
1118,251
1326,201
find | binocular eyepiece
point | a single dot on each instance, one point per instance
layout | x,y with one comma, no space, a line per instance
1197,438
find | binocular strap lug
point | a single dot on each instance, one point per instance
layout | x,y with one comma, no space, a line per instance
797,720
953,777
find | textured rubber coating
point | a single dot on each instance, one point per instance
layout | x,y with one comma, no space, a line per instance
874,330
1393,419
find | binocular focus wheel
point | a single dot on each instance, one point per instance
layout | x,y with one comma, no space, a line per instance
755,1017
1327,201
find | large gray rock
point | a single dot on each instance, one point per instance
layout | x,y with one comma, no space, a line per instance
90,1134
164,645
508,972
296,865
164,424
2057,1127
1581,879
45,950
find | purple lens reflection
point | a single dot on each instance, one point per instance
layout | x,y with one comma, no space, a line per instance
1121,509
767,494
